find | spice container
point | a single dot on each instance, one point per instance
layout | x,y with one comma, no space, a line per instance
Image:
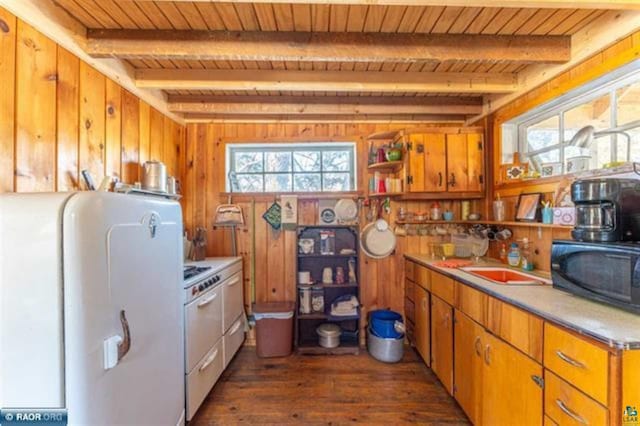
317,299
304,293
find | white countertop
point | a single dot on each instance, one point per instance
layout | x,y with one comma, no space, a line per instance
610,325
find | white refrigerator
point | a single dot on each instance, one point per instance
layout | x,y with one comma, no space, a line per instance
91,307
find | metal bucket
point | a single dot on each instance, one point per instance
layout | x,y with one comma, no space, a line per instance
154,176
385,350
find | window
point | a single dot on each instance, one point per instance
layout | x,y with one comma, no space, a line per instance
610,105
291,167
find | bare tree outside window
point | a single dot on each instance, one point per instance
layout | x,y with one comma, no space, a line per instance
293,167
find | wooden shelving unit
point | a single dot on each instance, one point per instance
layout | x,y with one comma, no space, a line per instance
385,194
306,338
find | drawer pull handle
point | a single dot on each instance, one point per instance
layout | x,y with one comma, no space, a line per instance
570,412
569,360
233,282
235,328
478,345
424,303
208,362
207,301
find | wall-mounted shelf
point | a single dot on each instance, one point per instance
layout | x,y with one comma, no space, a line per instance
385,194
386,167
485,222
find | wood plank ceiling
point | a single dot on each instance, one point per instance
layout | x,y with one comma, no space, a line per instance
209,58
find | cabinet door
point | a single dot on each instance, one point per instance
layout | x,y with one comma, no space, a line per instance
435,163
416,163
442,341
468,365
422,329
510,394
457,163
475,162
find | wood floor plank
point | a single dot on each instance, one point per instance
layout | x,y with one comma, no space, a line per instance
315,390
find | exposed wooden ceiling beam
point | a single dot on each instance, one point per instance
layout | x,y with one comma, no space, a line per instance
325,47
296,118
332,81
537,4
325,105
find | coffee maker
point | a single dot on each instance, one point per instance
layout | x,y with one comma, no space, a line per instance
607,210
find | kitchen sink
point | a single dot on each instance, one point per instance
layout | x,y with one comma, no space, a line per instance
505,276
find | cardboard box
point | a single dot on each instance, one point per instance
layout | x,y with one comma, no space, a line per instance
564,215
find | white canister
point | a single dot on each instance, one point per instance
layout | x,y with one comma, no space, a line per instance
305,299
304,277
327,275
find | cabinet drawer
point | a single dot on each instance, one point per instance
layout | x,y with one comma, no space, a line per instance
204,375
579,362
517,327
443,287
421,275
472,302
232,303
409,270
203,325
408,290
566,405
233,340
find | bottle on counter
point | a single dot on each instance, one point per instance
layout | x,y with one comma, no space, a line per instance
503,253
527,262
513,258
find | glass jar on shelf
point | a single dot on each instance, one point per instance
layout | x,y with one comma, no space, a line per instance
317,299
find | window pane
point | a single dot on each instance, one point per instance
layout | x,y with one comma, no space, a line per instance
596,113
335,161
306,161
337,182
628,103
306,182
635,145
250,183
544,133
278,161
277,183
248,162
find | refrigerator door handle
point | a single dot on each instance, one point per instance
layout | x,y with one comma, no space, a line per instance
125,345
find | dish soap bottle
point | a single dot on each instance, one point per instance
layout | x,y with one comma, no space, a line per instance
513,258
527,262
503,254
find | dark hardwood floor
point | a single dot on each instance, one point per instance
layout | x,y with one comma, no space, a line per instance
329,390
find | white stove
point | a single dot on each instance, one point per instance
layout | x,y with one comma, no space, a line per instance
214,323
204,274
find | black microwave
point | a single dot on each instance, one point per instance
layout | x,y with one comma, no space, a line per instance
605,272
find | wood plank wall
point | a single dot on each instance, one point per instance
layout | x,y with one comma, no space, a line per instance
204,182
58,116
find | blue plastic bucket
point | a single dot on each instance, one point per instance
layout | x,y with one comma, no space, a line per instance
384,323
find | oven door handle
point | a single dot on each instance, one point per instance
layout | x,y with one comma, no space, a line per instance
205,302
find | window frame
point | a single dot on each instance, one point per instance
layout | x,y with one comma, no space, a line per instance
605,85
291,147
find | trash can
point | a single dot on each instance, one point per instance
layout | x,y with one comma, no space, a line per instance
274,328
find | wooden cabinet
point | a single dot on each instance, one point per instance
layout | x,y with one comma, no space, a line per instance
566,405
409,310
442,341
579,362
443,287
441,161
511,390
422,330
515,326
467,365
